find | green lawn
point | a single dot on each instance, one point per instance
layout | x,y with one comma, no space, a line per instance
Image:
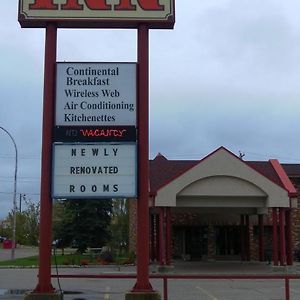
29,261
68,259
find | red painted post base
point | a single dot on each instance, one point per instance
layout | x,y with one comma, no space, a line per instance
45,288
143,296
44,296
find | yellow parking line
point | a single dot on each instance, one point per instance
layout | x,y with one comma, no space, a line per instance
206,293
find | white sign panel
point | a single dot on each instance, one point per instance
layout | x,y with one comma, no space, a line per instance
94,170
89,94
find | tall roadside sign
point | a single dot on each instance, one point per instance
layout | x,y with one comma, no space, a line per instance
94,113
95,152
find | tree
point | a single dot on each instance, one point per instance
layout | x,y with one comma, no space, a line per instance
27,224
32,217
84,223
119,225
62,231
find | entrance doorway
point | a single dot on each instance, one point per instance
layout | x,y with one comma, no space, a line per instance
228,240
190,242
196,241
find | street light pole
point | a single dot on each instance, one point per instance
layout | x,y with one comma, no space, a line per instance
15,196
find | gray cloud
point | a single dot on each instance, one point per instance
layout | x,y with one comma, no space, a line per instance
228,74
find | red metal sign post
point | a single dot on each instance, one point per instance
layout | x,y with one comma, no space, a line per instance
143,287
143,146
44,285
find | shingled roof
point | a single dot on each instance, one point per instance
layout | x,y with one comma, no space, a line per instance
162,170
292,170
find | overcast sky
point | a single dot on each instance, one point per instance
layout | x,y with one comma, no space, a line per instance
227,75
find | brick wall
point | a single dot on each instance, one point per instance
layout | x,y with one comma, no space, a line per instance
296,226
132,224
211,244
296,219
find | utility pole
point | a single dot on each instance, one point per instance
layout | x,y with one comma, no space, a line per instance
22,197
15,193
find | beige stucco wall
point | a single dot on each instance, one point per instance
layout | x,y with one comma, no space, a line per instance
222,186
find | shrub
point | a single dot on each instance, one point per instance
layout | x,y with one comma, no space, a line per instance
106,256
84,262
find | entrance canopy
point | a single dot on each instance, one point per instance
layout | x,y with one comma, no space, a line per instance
220,180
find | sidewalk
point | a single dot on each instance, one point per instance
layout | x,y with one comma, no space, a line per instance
230,267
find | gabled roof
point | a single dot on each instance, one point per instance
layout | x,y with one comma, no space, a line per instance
163,171
283,177
265,168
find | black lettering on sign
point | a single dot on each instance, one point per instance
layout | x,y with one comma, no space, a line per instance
105,187
95,151
116,188
110,93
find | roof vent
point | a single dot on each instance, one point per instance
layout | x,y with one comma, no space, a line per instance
160,156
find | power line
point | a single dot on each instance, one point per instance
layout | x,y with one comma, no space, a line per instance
273,155
198,156
21,177
20,180
30,194
5,156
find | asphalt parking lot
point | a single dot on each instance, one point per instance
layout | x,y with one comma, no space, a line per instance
14,282
19,280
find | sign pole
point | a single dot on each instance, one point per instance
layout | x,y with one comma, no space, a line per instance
143,155
44,278
143,287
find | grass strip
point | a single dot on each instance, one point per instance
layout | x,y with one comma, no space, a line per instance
68,259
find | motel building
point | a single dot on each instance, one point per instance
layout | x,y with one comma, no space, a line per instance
222,208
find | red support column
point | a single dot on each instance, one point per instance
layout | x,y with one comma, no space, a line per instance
44,278
261,237
242,226
157,237
275,236
282,236
142,283
289,238
168,236
247,238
